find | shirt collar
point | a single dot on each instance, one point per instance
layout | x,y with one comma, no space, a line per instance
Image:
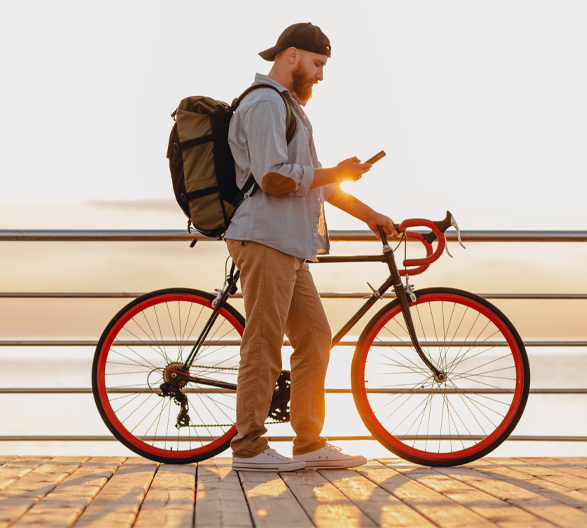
260,78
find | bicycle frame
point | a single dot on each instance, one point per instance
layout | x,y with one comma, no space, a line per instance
394,280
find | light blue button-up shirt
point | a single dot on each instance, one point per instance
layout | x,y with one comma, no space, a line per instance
284,213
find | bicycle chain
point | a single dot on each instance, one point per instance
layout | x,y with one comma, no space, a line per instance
226,425
213,368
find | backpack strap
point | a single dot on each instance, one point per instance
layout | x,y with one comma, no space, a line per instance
290,131
290,120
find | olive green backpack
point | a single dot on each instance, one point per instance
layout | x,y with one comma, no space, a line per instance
201,163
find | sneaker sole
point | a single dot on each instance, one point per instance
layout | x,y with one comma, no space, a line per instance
278,468
336,464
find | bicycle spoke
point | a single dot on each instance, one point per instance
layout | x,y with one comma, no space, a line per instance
437,420
152,333
159,335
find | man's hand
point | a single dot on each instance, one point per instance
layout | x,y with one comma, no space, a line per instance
377,219
351,170
348,170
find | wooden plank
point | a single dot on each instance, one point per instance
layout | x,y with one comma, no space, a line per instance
556,461
441,510
12,470
270,501
220,502
117,505
557,485
379,505
326,506
63,506
571,469
170,500
17,498
571,461
4,459
576,480
503,484
533,477
487,506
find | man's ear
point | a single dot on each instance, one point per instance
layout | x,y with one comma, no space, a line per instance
292,55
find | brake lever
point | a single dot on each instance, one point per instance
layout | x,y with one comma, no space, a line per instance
454,224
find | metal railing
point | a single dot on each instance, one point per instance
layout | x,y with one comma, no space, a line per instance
53,235
339,236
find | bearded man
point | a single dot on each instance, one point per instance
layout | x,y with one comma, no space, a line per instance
271,238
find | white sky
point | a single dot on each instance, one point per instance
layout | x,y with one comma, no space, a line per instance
480,105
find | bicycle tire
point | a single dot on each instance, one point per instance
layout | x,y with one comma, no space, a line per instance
441,423
147,335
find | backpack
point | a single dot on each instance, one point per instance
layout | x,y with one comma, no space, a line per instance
201,163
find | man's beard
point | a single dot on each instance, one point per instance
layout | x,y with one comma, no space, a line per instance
302,84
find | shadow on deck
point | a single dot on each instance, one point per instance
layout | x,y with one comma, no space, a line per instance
118,491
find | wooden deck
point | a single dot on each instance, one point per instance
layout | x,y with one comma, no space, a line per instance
117,492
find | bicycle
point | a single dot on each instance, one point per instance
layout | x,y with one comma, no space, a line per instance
439,376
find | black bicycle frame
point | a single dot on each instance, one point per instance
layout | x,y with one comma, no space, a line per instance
394,280
230,289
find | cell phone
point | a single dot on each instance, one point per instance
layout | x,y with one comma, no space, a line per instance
377,157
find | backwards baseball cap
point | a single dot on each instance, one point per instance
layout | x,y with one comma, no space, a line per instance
304,36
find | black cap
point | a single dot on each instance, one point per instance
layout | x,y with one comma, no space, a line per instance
304,36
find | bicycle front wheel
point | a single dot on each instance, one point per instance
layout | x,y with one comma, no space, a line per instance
450,422
143,347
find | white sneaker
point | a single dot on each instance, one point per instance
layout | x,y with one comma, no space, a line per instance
268,460
329,457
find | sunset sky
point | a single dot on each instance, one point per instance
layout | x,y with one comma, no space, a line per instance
480,106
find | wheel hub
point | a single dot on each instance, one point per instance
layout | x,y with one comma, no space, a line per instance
440,377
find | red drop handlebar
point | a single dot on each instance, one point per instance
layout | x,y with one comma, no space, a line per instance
437,233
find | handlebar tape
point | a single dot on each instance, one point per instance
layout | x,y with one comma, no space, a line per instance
421,222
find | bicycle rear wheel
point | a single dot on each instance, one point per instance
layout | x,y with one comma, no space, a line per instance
441,423
145,344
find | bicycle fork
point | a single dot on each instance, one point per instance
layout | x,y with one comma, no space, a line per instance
402,296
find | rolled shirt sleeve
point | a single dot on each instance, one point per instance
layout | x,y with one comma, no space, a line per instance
265,127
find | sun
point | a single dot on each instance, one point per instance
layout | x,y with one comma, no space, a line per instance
347,186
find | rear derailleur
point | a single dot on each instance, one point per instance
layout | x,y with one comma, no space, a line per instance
175,379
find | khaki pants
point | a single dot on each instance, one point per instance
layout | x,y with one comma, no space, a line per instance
280,297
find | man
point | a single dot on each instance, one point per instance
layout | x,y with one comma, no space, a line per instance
272,235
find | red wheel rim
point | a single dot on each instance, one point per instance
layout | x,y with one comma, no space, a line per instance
481,445
103,393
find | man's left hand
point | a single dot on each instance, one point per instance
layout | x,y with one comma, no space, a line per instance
386,223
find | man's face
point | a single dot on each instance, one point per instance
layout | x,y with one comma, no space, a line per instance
306,73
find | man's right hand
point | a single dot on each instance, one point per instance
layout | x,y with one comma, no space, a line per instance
351,170
348,170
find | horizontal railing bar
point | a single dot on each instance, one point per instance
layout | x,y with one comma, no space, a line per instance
323,295
68,390
102,438
87,343
101,235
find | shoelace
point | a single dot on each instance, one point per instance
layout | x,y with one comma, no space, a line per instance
275,454
333,448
